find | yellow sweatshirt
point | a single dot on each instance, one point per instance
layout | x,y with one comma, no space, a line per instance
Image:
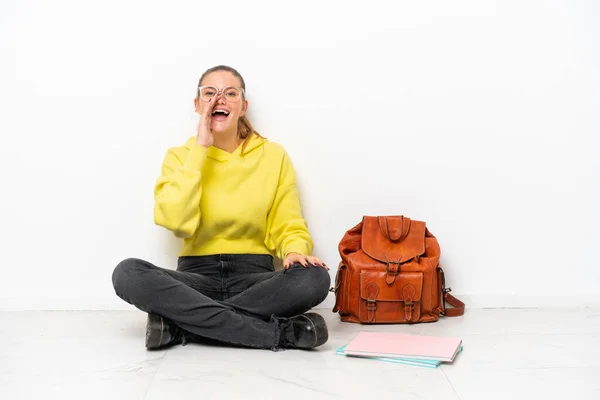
240,202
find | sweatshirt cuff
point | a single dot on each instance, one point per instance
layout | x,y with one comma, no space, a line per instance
196,157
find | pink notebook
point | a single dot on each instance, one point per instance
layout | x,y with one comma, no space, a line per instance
379,344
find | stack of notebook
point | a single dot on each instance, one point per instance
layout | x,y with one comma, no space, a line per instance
424,351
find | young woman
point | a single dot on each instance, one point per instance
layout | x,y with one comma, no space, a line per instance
231,195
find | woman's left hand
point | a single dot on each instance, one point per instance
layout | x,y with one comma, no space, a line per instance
292,258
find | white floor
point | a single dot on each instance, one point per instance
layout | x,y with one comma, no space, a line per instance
508,353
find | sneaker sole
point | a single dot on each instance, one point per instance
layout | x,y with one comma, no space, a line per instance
154,331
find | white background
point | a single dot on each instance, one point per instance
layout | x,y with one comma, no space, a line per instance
479,117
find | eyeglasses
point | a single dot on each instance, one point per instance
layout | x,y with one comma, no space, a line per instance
230,93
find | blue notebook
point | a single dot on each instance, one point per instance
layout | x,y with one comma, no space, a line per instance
408,361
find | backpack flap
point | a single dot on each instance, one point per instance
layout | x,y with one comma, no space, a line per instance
398,302
393,240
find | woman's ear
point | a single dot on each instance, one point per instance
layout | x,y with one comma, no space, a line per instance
244,107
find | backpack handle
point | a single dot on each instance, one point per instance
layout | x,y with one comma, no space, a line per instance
400,226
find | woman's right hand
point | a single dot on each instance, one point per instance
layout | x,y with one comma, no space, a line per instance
205,137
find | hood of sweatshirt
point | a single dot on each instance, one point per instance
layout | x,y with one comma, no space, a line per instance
252,143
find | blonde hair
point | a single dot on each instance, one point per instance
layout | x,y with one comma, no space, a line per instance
244,128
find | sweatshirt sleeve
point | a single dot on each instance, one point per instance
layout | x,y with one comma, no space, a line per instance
178,190
287,230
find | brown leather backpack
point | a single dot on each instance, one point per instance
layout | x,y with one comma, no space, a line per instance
390,273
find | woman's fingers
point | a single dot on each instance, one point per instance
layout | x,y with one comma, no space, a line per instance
295,258
316,261
204,136
304,261
209,111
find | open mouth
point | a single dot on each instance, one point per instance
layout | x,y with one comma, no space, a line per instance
220,115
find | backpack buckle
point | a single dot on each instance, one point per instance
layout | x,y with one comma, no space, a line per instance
395,270
371,304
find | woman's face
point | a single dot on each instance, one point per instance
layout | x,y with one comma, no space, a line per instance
228,108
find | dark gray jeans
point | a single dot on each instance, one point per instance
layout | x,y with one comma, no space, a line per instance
234,298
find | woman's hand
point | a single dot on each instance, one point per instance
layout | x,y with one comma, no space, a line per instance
205,137
292,258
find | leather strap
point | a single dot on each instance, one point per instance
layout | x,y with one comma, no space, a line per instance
336,288
396,233
392,270
458,306
372,292
409,294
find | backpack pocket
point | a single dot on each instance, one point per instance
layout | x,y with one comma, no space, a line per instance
398,302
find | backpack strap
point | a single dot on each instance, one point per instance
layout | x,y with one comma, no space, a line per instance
458,306
395,228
